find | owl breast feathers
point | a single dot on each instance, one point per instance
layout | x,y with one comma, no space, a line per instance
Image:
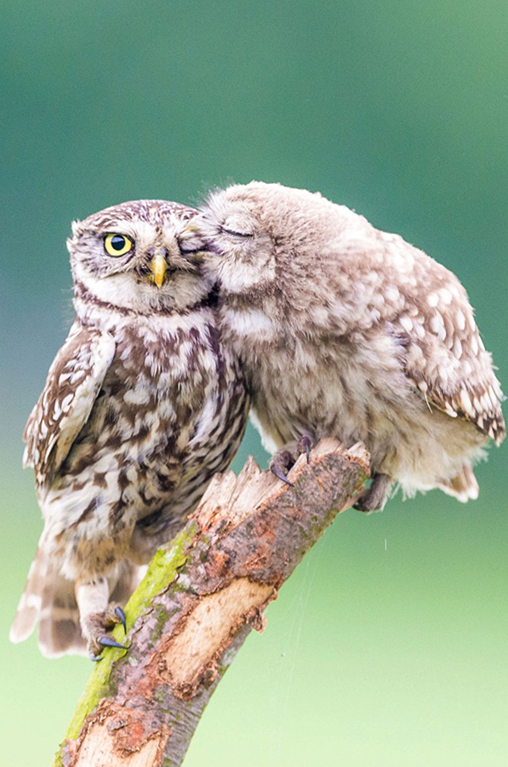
347,331
142,405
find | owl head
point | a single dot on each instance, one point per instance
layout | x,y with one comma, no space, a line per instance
253,234
129,256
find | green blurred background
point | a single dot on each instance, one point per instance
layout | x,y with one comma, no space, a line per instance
389,645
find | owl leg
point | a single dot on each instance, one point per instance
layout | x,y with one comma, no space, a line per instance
97,615
376,495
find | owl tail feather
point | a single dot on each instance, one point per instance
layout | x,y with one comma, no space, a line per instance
463,487
29,606
59,626
48,598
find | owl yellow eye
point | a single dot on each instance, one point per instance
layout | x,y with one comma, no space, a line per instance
117,244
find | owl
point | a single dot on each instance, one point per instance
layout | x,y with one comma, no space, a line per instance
347,331
142,405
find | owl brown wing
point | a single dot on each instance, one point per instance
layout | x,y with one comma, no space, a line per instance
428,311
73,383
446,359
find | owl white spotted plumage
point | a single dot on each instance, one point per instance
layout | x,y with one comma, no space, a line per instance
347,331
142,405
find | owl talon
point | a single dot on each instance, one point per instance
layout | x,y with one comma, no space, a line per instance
281,462
109,642
120,613
278,472
105,642
96,646
96,626
305,443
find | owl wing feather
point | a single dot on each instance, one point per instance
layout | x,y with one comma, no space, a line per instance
428,311
444,354
476,397
73,383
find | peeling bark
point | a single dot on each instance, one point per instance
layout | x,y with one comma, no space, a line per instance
200,598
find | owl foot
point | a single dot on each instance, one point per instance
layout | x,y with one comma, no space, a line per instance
281,463
285,458
96,624
375,497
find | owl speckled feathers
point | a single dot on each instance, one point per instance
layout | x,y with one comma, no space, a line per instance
142,405
347,331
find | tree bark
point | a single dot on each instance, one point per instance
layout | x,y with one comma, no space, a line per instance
202,594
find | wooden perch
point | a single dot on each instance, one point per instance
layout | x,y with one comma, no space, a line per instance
200,598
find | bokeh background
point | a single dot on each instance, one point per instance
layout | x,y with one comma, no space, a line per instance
388,647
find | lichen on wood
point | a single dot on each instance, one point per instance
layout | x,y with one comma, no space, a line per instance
201,596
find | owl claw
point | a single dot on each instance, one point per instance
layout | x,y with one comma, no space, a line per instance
95,627
281,462
105,642
277,471
120,613
109,642
304,444
102,642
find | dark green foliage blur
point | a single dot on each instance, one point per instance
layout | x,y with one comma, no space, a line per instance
388,648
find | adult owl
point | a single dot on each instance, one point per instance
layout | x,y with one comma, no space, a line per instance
347,331
142,405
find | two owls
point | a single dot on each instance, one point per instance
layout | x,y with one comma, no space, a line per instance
275,295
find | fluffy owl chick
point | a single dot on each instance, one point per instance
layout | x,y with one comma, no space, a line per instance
142,405
347,331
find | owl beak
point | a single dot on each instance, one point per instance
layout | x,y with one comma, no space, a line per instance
158,267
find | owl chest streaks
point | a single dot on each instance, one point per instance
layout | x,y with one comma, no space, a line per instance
170,413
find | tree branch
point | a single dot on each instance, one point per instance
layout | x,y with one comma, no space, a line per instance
200,598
